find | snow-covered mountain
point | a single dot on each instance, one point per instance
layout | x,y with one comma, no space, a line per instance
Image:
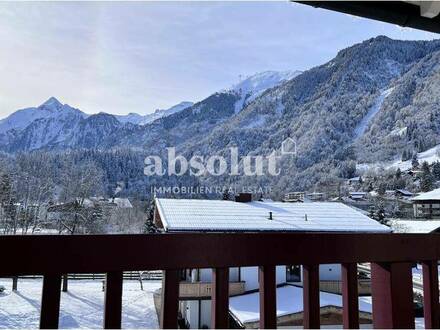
375,101
160,113
251,87
54,125
137,119
52,108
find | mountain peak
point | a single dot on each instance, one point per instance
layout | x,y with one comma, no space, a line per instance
51,102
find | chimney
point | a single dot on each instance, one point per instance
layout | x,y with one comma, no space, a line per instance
243,198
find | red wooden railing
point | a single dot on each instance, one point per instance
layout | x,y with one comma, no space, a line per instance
391,255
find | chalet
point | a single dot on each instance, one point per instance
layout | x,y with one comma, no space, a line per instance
355,180
427,205
184,216
403,193
316,197
295,197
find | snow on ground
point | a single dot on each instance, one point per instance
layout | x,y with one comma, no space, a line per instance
81,307
252,87
430,156
289,300
362,126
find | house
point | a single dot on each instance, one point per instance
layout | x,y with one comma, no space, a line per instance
357,195
295,197
413,172
316,196
355,180
245,308
192,215
390,193
415,226
57,212
427,205
403,193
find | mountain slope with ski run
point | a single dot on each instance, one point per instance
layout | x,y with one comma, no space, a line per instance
376,101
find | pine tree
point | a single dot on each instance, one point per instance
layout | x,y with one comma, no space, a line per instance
404,155
426,179
436,170
381,189
414,161
150,227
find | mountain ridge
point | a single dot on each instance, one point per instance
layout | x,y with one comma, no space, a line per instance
320,108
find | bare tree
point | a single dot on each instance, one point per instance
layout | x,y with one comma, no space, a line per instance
80,182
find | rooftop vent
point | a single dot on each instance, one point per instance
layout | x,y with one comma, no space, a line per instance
243,198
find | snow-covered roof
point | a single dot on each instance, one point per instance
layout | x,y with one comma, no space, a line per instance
219,215
415,226
121,202
430,195
289,301
405,192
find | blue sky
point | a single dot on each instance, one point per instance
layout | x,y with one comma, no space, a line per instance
121,57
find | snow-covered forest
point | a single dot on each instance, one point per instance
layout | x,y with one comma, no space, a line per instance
374,104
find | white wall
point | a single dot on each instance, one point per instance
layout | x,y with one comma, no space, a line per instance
205,320
192,313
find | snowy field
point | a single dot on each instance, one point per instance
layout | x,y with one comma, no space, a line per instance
81,307
430,156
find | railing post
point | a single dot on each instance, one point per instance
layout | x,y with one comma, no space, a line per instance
220,298
311,296
50,301
268,303
113,300
14,283
431,294
350,300
65,282
391,285
170,299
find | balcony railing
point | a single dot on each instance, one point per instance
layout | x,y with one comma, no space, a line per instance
204,290
391,257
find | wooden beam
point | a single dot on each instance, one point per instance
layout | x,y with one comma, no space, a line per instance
103,253
350,299
268,303
113,300
431,294
220,298
391,285
50,301
170,299
311,296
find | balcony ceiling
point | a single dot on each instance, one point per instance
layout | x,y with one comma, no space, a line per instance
422,15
